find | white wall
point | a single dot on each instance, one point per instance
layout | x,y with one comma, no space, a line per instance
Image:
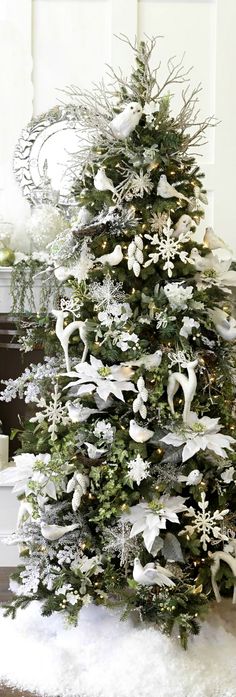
48,44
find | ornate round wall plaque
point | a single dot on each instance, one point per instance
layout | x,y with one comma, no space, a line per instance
43,156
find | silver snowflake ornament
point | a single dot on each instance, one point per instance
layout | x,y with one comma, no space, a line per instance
106,293
117,541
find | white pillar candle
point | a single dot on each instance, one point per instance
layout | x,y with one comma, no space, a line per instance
4,451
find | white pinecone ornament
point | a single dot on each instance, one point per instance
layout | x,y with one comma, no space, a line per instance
135,255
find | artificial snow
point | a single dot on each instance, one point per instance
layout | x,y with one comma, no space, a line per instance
105,657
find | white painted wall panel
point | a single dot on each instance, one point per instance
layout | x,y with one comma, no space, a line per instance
16,92
71,42
8,515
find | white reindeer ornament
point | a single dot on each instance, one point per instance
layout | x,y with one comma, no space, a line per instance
64,334
217,557
188,384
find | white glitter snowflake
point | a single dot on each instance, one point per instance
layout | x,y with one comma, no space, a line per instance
117,541
206,523
55,413
140,184
158,221
106,293
138,469
81,267
31,576
167,248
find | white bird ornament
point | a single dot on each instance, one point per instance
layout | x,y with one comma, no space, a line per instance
193,479
188,384
102,182
113,259
149,360
200,195
139,434
64,334
78,413
166,190
124,123
225,325
212,241
93,451
55,532
183,225
84,216
151,574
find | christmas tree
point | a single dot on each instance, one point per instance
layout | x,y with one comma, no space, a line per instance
126,471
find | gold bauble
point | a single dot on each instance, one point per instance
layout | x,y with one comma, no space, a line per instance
7,256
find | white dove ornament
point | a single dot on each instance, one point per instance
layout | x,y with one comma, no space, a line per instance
113,259
55,532
84,216
212,241
102,182
193,479
124,123
151,574
166,190
225,326
149,360
139,434
188,384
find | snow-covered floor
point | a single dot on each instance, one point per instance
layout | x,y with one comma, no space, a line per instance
103,657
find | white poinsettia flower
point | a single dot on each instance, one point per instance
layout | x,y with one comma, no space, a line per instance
23,472
213,271
200,434
102,379
150,518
